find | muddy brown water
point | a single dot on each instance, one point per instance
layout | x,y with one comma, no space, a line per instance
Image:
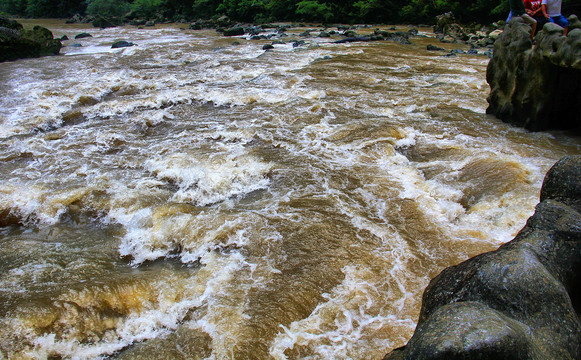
187,198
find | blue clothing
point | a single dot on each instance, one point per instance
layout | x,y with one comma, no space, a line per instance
560,20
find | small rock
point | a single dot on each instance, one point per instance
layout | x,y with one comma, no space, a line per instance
83,35
431,47
495,34
121,44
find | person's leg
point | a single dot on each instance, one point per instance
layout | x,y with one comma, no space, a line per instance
562,22
531,21
541,21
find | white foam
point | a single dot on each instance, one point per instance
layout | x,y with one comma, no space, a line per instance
36,204
349,324
208,181
160,315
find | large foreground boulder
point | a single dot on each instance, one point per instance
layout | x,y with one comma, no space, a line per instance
519,301
18,43
537,87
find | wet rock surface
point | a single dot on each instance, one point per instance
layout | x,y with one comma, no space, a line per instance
18,43
122,44
519,301
538,86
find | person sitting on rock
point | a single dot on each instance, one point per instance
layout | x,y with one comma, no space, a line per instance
552,12
534,9
517,8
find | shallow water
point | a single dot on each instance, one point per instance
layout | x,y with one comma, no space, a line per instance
191,198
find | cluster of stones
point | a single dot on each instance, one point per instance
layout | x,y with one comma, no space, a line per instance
480,38
277,33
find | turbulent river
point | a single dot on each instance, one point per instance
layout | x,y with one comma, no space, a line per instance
191,198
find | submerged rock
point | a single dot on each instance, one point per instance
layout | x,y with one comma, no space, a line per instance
519,301
83,35
18,43
431,47
122,44
537,87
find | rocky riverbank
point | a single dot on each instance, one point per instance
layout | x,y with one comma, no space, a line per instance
518,302
19,43
537,86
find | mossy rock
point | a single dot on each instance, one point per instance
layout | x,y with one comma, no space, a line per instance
18,43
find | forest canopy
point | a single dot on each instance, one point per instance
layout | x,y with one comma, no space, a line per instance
324,11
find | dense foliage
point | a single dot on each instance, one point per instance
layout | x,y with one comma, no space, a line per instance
326,11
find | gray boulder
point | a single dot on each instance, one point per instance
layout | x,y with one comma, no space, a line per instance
519,301
536,87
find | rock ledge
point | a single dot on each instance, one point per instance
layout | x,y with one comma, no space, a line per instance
519,301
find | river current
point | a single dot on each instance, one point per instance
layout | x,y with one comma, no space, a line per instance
194,198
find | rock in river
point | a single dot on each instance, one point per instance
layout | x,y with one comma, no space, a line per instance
537,87
122,44
519,301
18,43
83,35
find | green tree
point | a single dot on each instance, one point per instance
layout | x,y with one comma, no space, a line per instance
315,11
378,11
177,9
108,8
243,10
14,7
421,11
205,8
147,9
281,9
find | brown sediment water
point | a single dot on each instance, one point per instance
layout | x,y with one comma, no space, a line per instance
191,198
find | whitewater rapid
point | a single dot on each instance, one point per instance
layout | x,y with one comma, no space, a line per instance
193,197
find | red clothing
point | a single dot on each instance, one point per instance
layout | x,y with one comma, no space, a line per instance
533,5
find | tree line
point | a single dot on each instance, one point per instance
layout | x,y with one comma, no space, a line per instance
262,11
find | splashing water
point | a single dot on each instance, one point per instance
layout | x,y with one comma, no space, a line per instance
192,198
